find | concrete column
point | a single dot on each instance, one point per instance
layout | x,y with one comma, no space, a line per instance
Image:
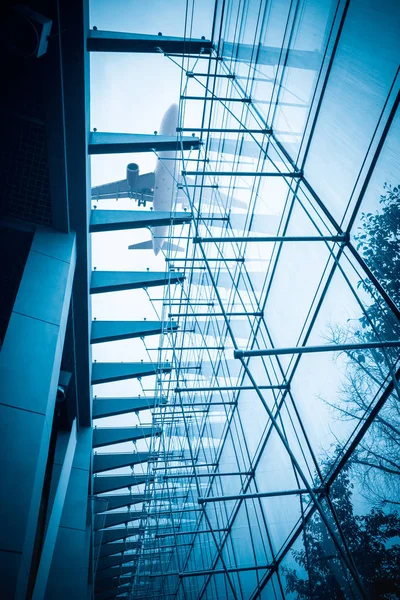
55,514
30,362
68,576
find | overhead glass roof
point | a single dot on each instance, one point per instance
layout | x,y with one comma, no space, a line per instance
272,391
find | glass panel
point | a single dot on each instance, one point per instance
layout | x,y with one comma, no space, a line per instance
362,74
374,232
281,466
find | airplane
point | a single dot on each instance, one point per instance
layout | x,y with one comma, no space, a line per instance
158,187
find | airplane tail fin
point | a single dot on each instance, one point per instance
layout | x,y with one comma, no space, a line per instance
142,246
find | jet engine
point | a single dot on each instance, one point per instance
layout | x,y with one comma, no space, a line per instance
132,175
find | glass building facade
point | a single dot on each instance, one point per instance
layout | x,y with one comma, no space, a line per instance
271,467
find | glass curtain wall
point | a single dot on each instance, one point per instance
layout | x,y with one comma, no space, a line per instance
276,472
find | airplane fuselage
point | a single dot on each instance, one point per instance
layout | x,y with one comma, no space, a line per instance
164,178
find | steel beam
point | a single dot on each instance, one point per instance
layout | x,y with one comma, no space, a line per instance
103,521
109,331
107,462
107,372
117,547
112,561
312,349
119,220
106,436
116,41
111,585
108,483
122,143
109,595
115,281
108,407
107,577
116,535
117,571
121,500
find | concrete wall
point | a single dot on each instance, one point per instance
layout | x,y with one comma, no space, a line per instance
68,576
29,368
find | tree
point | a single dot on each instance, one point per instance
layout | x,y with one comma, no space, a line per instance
373,544
379,242
378,456
372,538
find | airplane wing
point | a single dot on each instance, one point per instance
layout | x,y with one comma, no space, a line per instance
148,245
146,181
111,190
142,189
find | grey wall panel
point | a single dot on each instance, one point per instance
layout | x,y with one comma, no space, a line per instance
29,368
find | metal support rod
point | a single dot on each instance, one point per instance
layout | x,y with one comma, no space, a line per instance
246,100
214,571
200,258
222,75
185,303
214,474
294,174
179,419
211,314
164,512
179,348
227,570
188,405
273,238
211,465
205,531
202,186
199,57
219,130
163,547
258,495
232,388
175,159
312,349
